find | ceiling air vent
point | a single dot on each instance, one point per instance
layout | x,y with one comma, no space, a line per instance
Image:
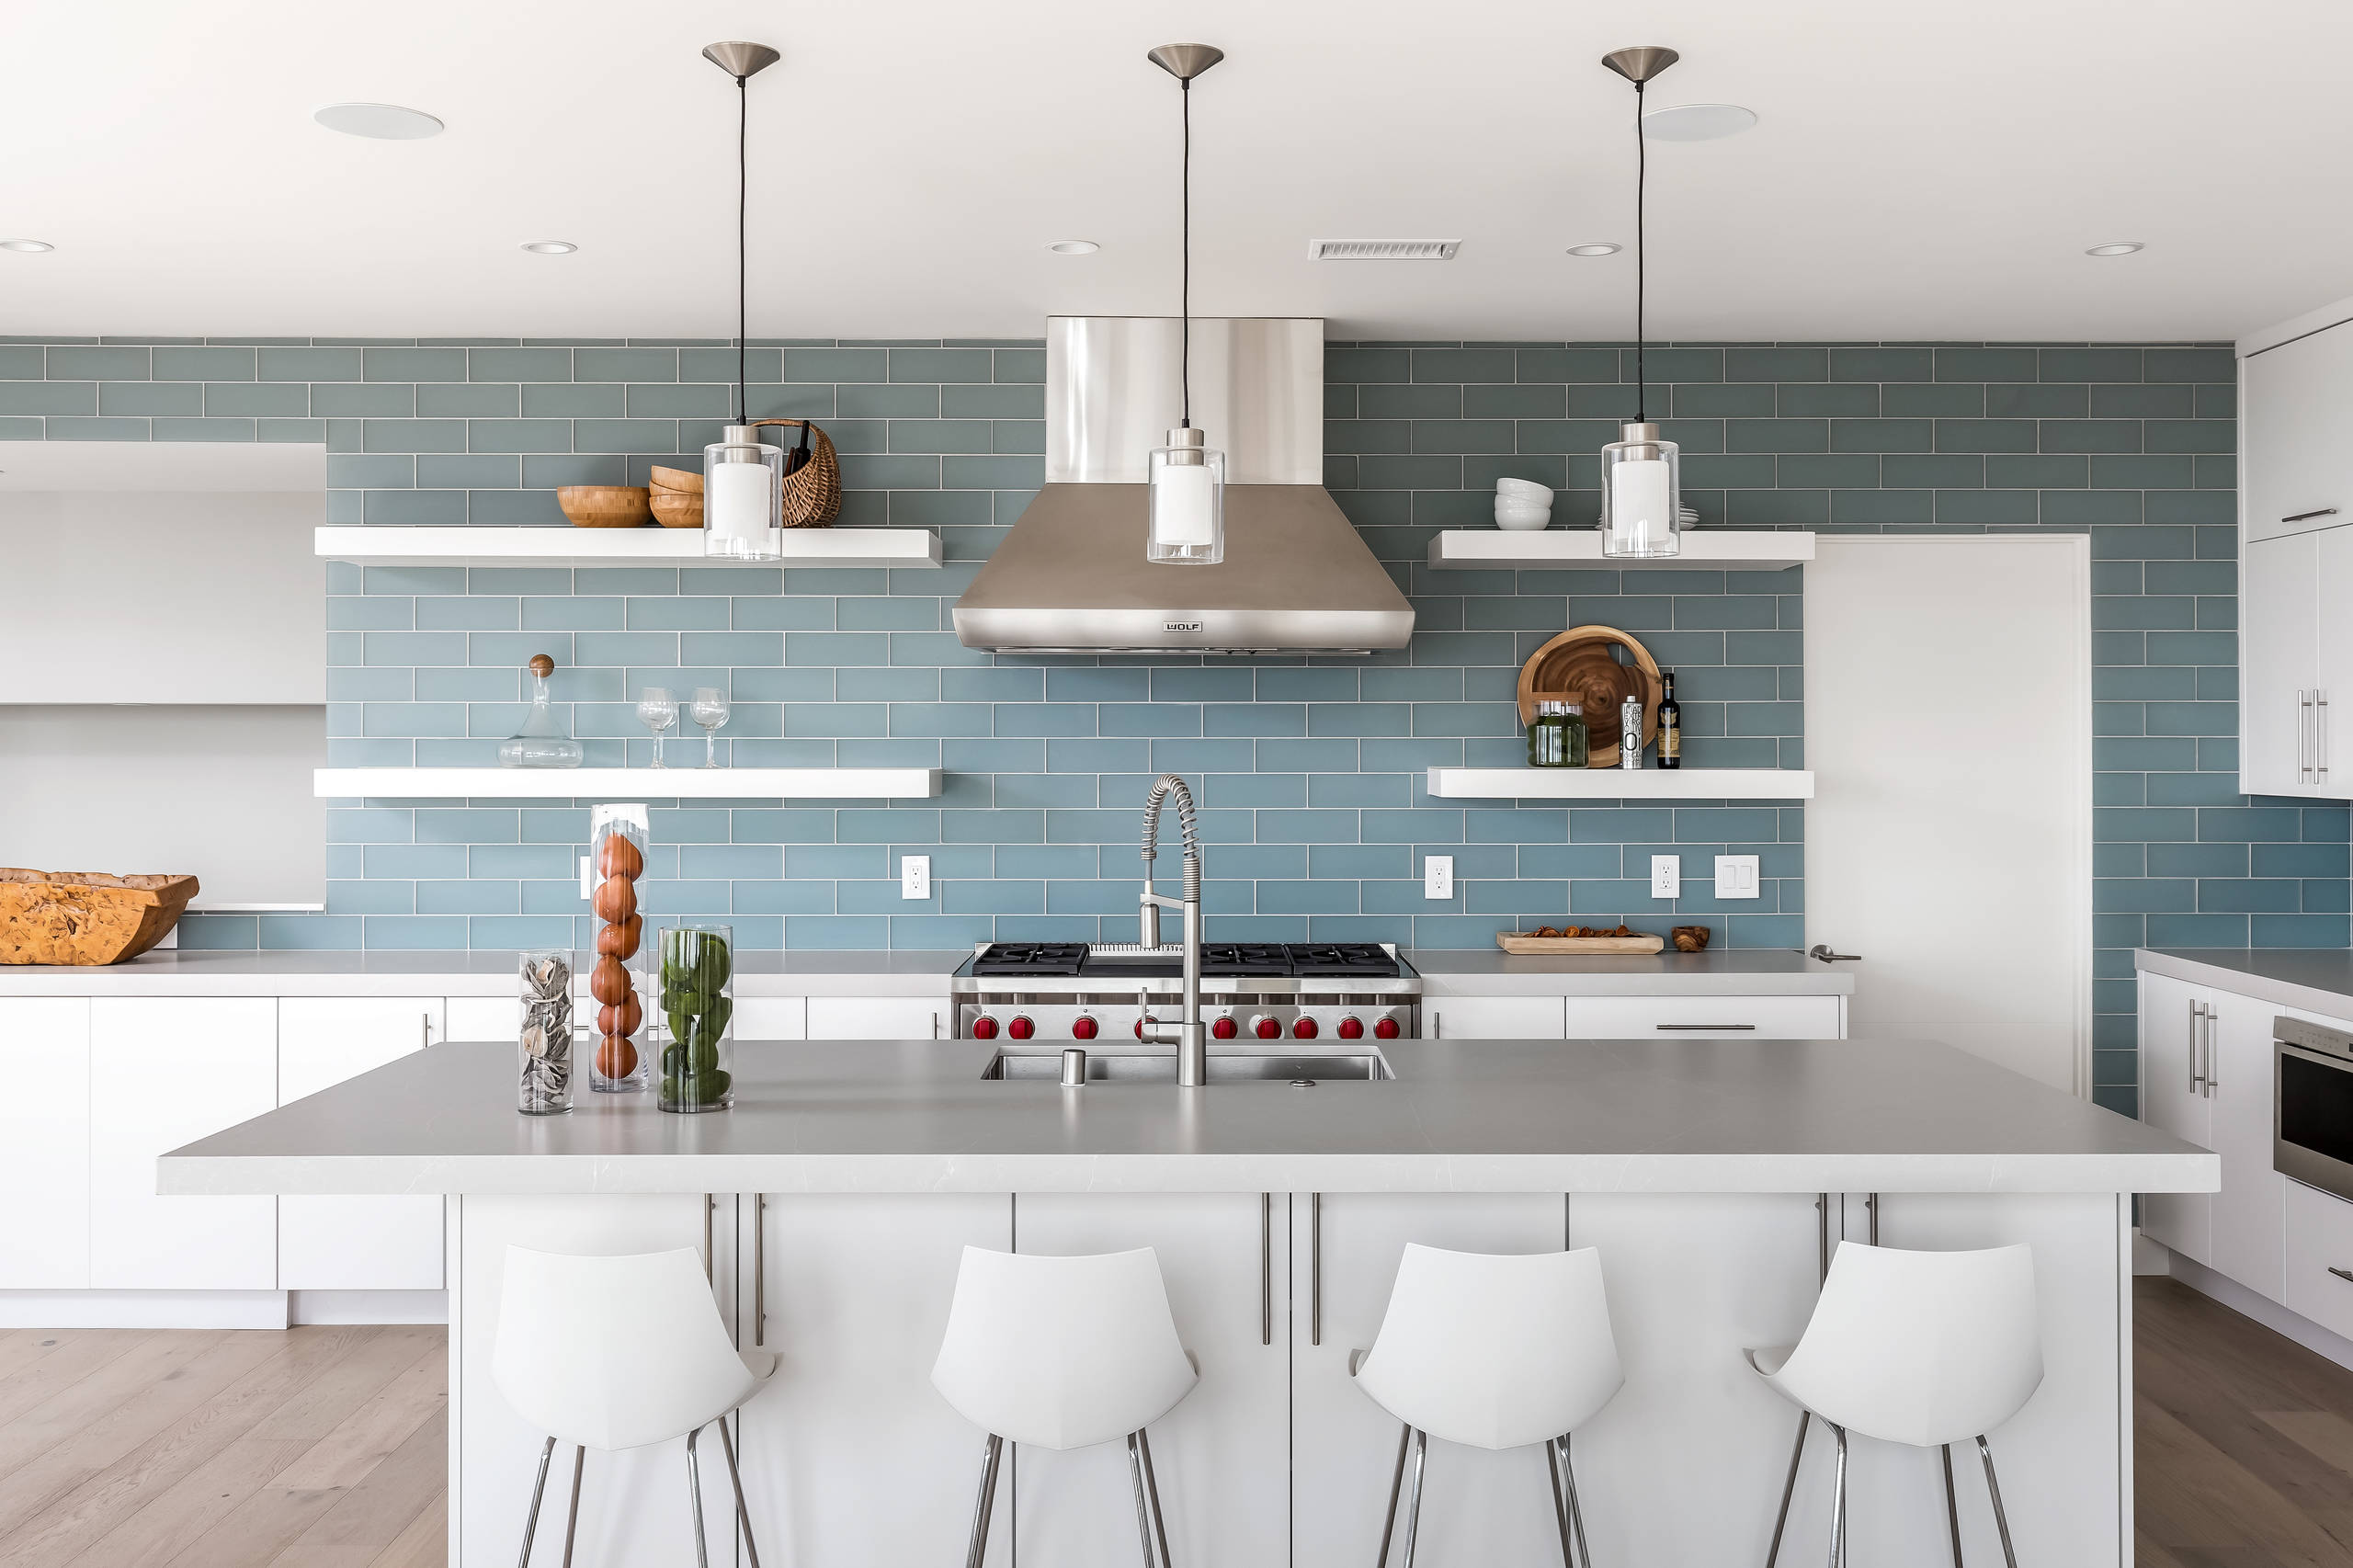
1383,250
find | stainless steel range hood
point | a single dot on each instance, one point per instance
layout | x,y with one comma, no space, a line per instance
1071,577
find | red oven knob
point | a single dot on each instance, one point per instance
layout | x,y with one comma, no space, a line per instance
1304,1029
1138,1029
1225,1029
1267,1029
1385,1030
1350,1029
1021,1027
983,1027
1083,1028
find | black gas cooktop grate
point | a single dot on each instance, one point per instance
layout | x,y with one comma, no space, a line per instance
1031,958
1225,959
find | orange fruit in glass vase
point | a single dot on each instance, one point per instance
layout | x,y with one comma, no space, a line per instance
620,941
608,982
616,900
620,857
621,1018
615,1058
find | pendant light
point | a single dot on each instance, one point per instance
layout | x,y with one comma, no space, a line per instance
1187,475
1641,489
743,477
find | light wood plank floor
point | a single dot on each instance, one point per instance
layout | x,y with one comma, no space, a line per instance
323,1447
311,1447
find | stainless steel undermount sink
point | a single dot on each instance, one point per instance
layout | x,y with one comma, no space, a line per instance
1159,1067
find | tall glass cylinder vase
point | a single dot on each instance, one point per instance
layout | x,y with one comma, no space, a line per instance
617,859
543,1047
698,996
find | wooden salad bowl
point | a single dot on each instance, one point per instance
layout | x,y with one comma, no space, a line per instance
85,917
605,505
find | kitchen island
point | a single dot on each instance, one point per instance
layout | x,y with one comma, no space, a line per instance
834,1200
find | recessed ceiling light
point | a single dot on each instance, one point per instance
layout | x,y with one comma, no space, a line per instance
549,247
383,122
30,247
1073,247
1696,122
2119,247
1601,249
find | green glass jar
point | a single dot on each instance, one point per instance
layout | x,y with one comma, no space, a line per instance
1556,736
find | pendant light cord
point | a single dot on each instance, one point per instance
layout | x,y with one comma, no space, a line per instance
1184,272
1642,177
743,249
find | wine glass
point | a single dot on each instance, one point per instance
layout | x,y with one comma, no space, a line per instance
710,710
657,710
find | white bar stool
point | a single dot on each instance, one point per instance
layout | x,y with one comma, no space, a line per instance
1064,1353
1495,1352
1926,1348
574,1358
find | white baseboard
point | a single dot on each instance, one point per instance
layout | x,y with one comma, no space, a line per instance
2262,1309
368,1306
143,1308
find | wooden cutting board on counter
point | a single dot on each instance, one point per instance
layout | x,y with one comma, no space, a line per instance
1514,942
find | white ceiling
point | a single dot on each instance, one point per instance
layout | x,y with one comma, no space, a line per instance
1919,171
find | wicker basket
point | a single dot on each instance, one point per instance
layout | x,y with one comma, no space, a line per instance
812,493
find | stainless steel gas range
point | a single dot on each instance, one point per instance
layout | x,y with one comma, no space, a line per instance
1052,992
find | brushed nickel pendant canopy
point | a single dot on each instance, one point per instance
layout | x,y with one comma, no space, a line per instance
1186,61
739,59
1639,66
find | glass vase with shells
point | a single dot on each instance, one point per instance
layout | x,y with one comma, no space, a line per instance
545,1045
618,1063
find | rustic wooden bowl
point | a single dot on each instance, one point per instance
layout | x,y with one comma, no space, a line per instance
682,479
677,510
85,917
1576,666
605,505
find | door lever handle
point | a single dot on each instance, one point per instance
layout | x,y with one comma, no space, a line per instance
2340,1273
1821,950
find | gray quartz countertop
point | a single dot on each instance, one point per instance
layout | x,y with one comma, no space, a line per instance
1502,1116
2319,980
1756,971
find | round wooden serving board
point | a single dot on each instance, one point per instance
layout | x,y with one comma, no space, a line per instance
1576,666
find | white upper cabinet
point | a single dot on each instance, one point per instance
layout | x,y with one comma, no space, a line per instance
2296,408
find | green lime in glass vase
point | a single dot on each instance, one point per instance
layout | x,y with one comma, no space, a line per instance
698,979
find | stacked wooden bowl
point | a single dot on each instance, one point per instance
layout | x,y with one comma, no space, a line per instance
677,497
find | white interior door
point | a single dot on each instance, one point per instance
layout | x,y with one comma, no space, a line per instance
1947,723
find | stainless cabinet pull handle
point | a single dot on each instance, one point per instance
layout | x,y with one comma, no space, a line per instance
1749,1027
2303,736
2319,736
2340,1273
2197,1079
1315,1268
1437,1024
709,1206
760,1269
1266,1268
2212,1082
2300,517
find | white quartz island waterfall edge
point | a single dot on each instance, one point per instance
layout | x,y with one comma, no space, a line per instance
834,1203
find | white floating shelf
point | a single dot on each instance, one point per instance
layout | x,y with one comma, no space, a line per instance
1622,784
628,783
1704,549
617,547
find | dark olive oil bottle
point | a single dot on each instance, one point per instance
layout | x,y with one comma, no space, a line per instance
1670,724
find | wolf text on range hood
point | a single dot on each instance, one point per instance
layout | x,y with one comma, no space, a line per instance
1071,576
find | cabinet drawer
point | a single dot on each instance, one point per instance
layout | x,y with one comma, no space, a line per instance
1704,1018
1492,1017
2320,1237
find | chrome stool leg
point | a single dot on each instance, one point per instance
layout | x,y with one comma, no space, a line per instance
1788,1488
1577,1509
986,1503
1143,1514
1413,1502
1396,1488
1152,1490
1552,1446
1839,1502
572,1516
1993,1490
538,1490
1952,1508
743,1514
693,1496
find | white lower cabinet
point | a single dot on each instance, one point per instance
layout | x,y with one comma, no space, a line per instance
2247,1217
772,1017
2320,1257
1477,1508
354,1243
1707,1017
165,1073
1493,1017
2173,1098
877,1017
45,1144
1222,1457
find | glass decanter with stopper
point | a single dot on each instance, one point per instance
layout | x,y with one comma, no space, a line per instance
540,743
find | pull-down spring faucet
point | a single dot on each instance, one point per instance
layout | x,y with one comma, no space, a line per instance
1187,1033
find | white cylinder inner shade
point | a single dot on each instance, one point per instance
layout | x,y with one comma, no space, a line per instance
735,500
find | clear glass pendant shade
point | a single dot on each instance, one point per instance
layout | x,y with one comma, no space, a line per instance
1188,490
742,490
1642,496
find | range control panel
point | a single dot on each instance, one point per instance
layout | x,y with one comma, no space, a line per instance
1053,1019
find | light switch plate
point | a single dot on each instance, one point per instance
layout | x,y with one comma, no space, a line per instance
1438,876
915,876
1666,876
1735,876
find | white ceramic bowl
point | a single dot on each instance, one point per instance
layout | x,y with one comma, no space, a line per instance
1523,490
1521,519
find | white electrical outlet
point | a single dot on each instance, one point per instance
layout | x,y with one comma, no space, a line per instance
915,876
1438,876
1666,876
1735,876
